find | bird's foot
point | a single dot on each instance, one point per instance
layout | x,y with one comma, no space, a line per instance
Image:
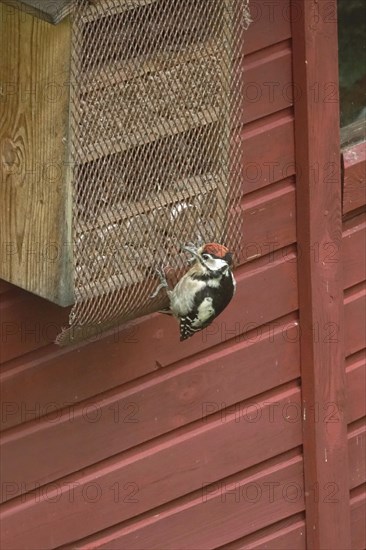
163,283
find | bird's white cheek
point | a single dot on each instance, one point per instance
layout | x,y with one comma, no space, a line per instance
216,264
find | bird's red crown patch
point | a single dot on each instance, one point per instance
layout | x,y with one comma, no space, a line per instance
216,249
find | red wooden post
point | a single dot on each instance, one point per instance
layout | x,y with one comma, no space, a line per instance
319,230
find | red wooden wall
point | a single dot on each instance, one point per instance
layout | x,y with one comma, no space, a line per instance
354,265
137,441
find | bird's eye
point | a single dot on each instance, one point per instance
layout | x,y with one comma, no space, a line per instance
206,256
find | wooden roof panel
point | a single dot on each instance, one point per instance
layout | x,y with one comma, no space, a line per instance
51,11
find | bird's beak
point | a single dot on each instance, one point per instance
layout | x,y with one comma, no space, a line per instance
191,251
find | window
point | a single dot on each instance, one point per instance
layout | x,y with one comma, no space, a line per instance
352,68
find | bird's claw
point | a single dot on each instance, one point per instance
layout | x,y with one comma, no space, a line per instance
163,283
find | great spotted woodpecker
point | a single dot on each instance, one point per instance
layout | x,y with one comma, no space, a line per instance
204,291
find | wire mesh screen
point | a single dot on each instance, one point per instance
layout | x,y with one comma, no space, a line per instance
155,115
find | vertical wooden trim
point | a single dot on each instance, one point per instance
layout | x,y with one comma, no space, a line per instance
319,230
35,172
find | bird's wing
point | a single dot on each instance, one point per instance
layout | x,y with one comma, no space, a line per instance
199,318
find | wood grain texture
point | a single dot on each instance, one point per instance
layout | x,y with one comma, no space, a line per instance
206,511
35,173
320,282
354,182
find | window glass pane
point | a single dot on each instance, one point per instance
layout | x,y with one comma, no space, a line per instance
352,60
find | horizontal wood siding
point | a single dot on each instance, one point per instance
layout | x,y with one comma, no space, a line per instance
358,514
158,334
288,533
138,441
179,417
218,381
222,504
273,136
354,262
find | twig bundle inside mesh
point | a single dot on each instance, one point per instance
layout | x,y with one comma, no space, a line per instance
155,109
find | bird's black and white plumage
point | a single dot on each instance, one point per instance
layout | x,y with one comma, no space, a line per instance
204,291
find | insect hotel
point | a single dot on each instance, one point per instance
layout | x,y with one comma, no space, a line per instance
129,128
120,145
